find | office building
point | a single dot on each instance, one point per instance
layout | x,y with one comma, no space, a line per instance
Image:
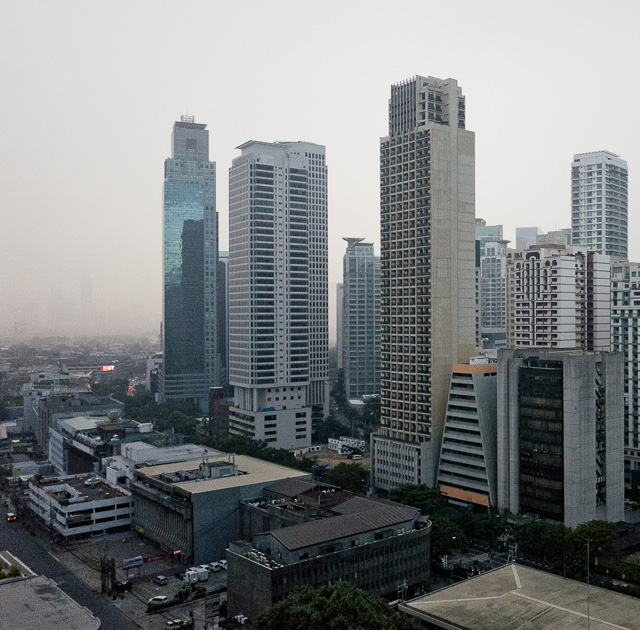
361,319
600,203
377,546
467,470
192,506
492,285
428,310
560,434
278,291
625,338
222,307
191,357
526,236
558,298
52,408
339,303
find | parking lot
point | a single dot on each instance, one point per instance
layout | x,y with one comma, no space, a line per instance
83,558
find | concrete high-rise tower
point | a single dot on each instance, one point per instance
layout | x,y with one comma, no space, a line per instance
427,188
361,319
278,290
599,203
191,361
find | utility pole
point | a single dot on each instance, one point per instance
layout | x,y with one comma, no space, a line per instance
588,565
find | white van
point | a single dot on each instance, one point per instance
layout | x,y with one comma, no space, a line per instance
158,599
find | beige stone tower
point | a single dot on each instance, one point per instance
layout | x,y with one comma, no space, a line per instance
427,213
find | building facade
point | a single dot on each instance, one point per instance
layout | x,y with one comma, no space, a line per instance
361,319
278,291
81,505
560,449
558,299
492,285
428,310
378,547
600,203
467,470
191,356
625,337
192,506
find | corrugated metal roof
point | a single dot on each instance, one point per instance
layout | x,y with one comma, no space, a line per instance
333,528
290,487
360,504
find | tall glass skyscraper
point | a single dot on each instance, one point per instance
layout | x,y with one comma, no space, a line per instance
190,345
361,319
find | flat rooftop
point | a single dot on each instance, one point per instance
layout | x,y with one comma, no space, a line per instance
517,596
251,471
39,603
96,492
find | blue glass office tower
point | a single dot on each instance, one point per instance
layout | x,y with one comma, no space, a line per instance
191,354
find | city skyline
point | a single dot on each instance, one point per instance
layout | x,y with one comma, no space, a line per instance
95,115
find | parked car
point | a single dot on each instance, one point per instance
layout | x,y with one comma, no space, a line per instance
179,575
223,564
161,580
175,623
215,566
158,599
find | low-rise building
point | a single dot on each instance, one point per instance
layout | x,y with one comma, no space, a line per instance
375,545
80,505
520,597
34,601
120,469
346,445
192,506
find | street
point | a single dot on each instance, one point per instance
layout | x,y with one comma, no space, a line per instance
34,551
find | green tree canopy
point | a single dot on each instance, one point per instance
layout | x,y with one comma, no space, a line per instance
352,477
338,607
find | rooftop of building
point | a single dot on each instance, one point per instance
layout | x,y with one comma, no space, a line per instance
355,516
537,600
252,471
96,490
37,602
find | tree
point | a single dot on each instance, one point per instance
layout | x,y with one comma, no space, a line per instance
352,477
330,427
338,392
338,607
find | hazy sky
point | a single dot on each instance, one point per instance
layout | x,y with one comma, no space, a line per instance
89,92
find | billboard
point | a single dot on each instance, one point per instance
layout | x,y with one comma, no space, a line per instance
108,368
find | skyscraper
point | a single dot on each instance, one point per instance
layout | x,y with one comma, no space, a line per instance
625,338
599,203
427,188
278,289
191,361
361,319
493,284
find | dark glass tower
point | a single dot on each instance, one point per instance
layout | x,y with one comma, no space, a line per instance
191,356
